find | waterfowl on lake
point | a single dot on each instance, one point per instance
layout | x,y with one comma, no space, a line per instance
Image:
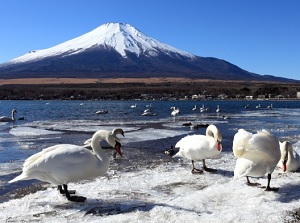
9,119
170,151
175,111
200,147
65,163
290,159
115,132
257,155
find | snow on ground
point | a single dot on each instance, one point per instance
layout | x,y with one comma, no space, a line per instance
167,192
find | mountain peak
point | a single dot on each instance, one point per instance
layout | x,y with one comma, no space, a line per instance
120,36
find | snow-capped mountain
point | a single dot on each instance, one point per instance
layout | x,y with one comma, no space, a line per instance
119,50
121,37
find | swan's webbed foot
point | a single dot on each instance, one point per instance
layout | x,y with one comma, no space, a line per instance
209,169
271,188
268,188
206,168
252,184
62,191
76,198
196,171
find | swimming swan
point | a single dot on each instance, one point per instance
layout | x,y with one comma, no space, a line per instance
175,111
257,155
65,163
200,147
8,119
290,159
115,132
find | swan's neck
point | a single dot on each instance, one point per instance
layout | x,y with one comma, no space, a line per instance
97,149
13,115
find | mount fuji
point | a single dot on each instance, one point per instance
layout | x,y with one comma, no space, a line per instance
119,50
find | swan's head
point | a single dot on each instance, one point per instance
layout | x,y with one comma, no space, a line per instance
213,131
284,148
118,131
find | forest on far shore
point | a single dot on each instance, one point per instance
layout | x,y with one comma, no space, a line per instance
149,91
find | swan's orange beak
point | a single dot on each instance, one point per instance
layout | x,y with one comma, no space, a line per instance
118,148
219,146
284,166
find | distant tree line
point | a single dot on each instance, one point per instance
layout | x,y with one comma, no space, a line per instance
127,91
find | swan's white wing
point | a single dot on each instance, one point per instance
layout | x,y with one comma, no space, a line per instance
36,156
197,147
266,143
240,142
66,163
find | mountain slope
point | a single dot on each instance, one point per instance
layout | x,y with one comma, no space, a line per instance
120,50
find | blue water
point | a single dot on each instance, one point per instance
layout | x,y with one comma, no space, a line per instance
51,122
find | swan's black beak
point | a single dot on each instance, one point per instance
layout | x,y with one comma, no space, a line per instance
118,148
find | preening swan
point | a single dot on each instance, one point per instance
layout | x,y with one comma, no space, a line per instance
257,155
9,119
290,159
200,147
115,132
65,163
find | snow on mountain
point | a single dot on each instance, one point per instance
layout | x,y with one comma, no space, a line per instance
122,37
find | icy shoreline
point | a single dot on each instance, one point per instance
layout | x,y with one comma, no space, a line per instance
166,192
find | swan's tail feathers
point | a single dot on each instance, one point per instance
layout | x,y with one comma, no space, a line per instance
18,178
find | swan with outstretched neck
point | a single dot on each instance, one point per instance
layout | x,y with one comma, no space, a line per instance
9,119
65,163
257,155
290,159
200,147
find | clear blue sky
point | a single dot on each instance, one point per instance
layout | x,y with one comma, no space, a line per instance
261,36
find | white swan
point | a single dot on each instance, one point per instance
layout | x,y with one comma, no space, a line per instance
257,155
290,159
203,109
200,147
133,106
9,119
270,107
65,163
115,132
194,108
175,111
218,109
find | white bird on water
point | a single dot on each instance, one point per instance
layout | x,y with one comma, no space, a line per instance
200,147
257,155
65,163
290,159
9,119
175,111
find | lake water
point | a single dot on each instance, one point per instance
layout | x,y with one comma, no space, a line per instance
146,137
